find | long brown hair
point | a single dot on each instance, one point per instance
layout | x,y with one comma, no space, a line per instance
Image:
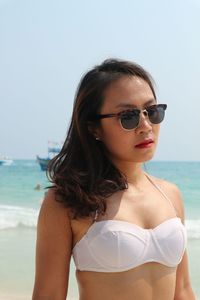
82,175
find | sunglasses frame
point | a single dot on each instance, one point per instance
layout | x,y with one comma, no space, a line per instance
118,115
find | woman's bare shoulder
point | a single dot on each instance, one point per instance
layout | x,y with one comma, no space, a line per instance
54,212
170,186
173,193
51,202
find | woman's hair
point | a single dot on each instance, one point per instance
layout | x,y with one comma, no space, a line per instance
81,174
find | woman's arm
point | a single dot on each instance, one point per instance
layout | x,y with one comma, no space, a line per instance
183,289
53,251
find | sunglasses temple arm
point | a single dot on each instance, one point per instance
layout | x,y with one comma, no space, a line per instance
105,116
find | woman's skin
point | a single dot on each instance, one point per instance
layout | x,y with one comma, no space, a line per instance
141,204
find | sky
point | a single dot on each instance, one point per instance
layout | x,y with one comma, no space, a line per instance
46,46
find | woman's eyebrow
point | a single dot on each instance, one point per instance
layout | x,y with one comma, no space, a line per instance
128,105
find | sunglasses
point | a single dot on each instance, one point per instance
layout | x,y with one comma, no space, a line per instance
130,119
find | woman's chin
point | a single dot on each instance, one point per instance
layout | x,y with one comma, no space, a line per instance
146,157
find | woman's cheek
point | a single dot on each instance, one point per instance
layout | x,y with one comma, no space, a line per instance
118,147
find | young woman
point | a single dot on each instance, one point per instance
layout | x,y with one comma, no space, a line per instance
124,228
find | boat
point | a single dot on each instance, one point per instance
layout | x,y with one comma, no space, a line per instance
5,160
53,149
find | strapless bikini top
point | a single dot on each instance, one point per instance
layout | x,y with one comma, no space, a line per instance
116,246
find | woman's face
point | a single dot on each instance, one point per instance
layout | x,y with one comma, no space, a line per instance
120,144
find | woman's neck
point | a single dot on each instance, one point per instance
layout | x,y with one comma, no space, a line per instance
133,172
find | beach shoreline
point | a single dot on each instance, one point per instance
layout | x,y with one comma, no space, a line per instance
14,297
23,297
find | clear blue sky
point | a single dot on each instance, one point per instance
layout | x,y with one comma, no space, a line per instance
45,46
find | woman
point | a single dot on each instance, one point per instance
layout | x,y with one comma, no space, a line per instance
124,228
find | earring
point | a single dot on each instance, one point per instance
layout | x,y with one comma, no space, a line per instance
97,139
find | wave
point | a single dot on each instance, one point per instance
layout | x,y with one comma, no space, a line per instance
193,229
17,216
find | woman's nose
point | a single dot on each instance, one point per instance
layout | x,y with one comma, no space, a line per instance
144,124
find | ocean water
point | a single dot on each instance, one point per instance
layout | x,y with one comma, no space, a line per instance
20,204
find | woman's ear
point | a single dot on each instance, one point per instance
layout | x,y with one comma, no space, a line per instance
93,130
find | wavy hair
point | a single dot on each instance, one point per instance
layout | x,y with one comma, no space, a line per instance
82,174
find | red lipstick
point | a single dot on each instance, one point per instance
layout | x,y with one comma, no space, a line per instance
145,144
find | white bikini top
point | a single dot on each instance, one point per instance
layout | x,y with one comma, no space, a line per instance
116,246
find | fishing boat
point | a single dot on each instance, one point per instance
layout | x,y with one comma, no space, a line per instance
5,160
53,149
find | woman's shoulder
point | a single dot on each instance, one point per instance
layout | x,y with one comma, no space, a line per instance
52,208
168,185
173,192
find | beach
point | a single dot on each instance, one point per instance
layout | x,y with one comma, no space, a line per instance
19,207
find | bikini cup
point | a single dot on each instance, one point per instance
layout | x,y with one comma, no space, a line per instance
115,245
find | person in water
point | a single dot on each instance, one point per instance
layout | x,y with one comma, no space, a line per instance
123,227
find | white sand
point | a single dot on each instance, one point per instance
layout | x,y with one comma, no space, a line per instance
22,297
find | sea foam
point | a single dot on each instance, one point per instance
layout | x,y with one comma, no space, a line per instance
193,228
16,216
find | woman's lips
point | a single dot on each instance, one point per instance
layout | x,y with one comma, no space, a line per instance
145,144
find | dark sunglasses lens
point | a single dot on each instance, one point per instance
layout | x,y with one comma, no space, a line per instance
156,114
130,120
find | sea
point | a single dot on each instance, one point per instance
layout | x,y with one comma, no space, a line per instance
20,202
